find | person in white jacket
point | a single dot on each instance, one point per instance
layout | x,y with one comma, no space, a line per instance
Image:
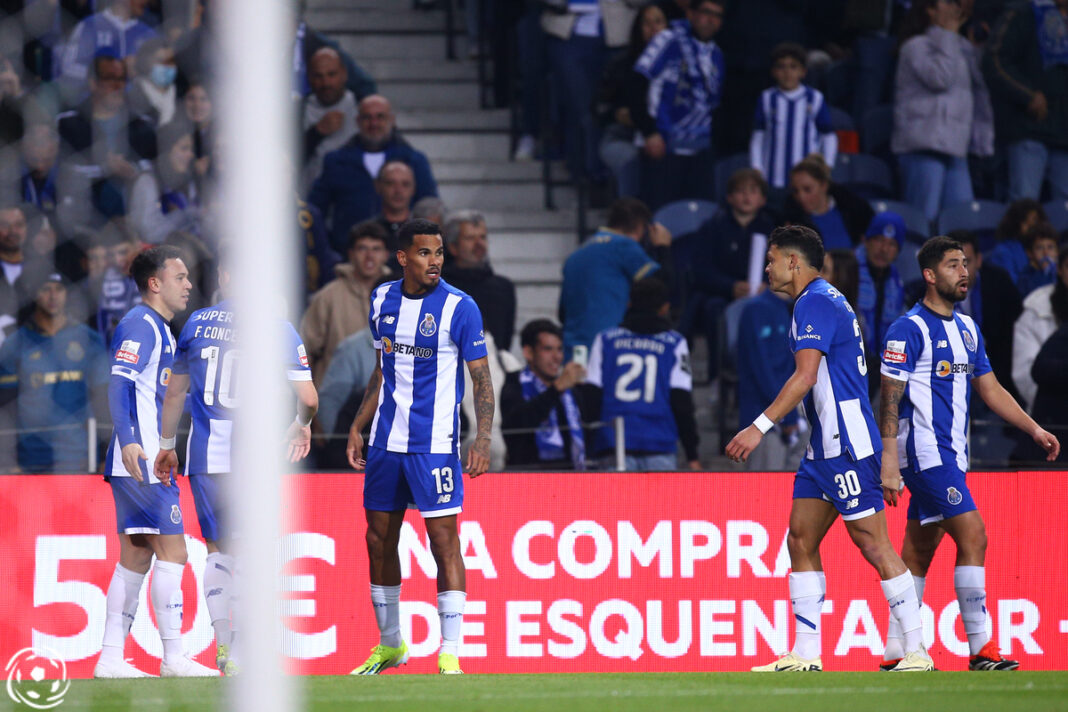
1045,309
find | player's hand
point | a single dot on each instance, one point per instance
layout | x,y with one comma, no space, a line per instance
742,445
354,450
166,464
571,375
478,456
132,455
890,474
299,437
1048,442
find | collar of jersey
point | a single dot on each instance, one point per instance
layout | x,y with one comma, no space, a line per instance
934,313
421,296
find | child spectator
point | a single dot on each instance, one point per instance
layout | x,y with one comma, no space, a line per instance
1040,244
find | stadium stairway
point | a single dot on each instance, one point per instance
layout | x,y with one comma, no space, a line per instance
437,106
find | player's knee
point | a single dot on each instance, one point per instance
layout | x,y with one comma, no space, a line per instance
444,544
800,545
376,544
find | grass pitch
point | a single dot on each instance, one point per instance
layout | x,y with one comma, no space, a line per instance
676,692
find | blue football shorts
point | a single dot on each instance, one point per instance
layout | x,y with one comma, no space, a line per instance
853,487
207,495
937,493
431,483
146,508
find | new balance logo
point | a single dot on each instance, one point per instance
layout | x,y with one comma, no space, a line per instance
214,592
851,504
389,319
941,344
444,498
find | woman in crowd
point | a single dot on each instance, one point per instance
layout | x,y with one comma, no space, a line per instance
165,198
1045,309
1009,254
835,212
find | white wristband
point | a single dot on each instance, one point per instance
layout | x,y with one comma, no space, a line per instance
303,424
166,443
763,423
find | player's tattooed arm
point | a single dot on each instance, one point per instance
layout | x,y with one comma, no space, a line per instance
893,391
479,454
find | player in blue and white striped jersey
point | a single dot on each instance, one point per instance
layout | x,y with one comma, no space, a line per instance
205,363
424,330
149,518
840,473
933,357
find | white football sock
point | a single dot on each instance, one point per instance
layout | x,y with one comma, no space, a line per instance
166,592
124,592
806,597
900,593
894,643
451,615
970,582
218,587
386,602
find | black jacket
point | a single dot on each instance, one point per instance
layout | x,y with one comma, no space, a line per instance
518,412
494,295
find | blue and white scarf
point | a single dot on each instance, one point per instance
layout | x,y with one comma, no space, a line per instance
893,302
1052,30
549,438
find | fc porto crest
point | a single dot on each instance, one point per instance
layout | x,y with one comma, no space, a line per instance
176,514
428,326
969,342
75,352
953,495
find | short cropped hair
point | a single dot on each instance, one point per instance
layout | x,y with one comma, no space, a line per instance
149,263
1040,231
455,219
789,49
803,239
533,330
419,226
648,295
934,249
742,176
628,214
368,229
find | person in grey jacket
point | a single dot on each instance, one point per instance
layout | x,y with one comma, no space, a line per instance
941,108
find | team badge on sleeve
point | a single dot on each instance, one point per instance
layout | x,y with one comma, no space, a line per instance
895,352
128,352
428,326
302,355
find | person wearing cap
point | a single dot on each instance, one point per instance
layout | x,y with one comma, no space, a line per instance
51,370
881,293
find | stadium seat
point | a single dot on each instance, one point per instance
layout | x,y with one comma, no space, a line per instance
867,176
684,216
843,125
916,225
839,81
876,126
979,216
1057,211
724,168
841,120
906,263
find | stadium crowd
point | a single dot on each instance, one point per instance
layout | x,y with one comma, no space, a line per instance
878,123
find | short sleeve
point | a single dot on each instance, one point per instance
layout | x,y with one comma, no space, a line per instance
760,119
181,350
466,330
823,118
681,374
296,356
131,348
595,362
901,350
98,358
372,315
982,363
815,321
635,262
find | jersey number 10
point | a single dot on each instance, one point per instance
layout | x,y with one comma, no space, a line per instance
223,391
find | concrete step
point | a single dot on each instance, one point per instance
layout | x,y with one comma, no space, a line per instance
492,196
526,245
420,70
383,5
529,271
502,170
536,220
535,301
402,19
472,119
371,47
458,145
437,95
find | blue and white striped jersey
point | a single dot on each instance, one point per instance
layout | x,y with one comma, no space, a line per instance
936,356
837,407
423,342
787,127
208,353
142,351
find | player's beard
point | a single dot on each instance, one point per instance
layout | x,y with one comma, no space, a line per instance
951,293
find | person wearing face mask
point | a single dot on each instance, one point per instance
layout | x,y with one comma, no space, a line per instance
165,199
152,92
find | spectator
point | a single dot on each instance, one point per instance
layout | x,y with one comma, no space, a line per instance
598,275
14,295
1050,373
53,368
792,120
721,258
530,57
118,290
542,401
165,198
1020,217
395,186
319,258
12,104
117,29
941,108
881,293
467,240
329,112
344,192
197,110
430,208
640,371
842,271
580,36
617,94
834,211
1044,311
500,364
1040,244
103,146
340,308
40,154
152,92
684,68
307,41
1027,70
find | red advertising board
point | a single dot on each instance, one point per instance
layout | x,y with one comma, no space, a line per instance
566,573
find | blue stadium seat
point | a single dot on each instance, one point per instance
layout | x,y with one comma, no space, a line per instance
979,216
841,120
876,126
1057,211
685,216
906,263
724,168
867,176
915,221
